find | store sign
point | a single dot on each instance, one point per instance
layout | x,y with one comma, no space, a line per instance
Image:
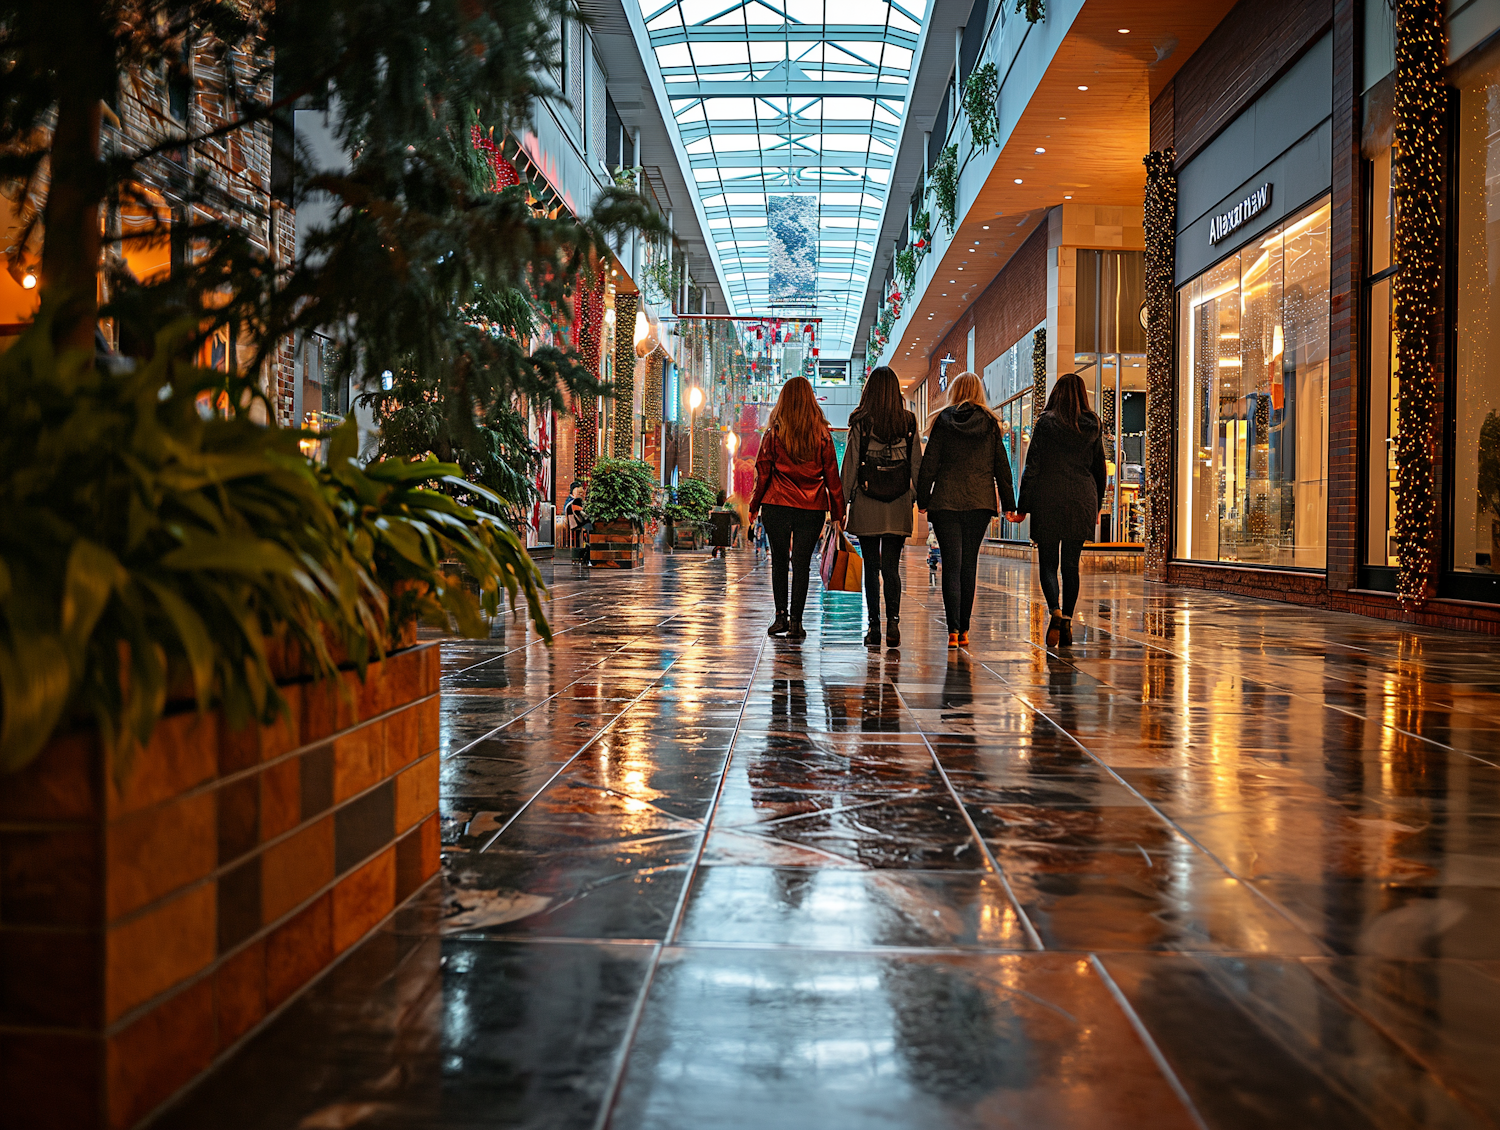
1242,213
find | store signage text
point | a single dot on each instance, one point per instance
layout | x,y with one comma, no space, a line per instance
1253,205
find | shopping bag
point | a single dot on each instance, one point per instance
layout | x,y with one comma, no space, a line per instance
841,568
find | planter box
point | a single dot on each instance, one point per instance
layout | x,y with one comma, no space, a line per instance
148,927
615,545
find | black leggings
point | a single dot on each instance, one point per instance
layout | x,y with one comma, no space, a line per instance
882,554
794,534
960,533
1047,561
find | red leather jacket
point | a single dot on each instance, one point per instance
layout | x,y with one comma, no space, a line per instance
782,481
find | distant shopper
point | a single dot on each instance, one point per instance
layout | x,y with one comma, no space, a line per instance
881,461
1062,488
934,556
574,518
964,464
796,482
722,523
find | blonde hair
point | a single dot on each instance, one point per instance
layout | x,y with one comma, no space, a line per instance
966,388
798,421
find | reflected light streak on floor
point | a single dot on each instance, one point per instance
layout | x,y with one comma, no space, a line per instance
1221,864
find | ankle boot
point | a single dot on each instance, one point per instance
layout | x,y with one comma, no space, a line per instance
1066,638
794,630
778,626
893,632
872,637
1054,630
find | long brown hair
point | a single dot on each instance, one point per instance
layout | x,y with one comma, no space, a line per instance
1069,401
798,421
966,388
881,409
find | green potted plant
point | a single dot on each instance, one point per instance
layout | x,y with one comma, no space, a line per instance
692,500
620,502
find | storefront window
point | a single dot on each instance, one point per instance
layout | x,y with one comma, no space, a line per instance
1252,429
1476,454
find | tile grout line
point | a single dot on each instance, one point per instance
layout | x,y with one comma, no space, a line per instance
632,1026
1152,1049
583,674
1255,891
1147,641
1031,934
579,752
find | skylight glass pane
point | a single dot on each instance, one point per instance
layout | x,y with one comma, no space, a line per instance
759,131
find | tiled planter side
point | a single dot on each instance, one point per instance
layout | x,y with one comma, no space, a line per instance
615,545
146,928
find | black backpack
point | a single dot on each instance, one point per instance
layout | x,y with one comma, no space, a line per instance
885,482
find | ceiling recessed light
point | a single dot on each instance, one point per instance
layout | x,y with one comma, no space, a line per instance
1039,149
986,227
960,268
1068,197
1124,31
1083,88
1018,180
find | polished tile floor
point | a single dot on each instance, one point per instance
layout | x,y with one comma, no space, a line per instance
1222,864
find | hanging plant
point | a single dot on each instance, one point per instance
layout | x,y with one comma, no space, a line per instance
945,186
625,176
981,99
1034,10
906,266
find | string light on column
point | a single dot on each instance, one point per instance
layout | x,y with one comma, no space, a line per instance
651,395
588,325
1161,267
626,306
1418,111
1038,372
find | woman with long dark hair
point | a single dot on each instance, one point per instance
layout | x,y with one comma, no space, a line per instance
796,482
1062,488
964,464
881,460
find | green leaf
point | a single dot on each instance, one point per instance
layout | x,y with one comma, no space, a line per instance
92,574
343,443
233,555
197,645
401,536
35,682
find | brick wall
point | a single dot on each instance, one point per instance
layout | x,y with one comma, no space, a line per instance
237,168
1250,49
1010,307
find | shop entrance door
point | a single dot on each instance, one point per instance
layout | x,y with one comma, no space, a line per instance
1117,387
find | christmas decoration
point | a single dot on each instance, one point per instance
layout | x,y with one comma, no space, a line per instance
584,335
1161,251
1419,109
626,306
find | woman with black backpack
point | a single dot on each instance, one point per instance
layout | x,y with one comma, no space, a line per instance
881,460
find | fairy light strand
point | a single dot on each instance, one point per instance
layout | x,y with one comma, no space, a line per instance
626,306
1418,111
1160,221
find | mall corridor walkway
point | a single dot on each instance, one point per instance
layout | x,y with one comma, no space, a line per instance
1225,864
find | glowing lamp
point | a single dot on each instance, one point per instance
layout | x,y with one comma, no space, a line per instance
695,398
29,281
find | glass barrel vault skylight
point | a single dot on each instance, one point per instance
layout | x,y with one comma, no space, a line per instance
789,112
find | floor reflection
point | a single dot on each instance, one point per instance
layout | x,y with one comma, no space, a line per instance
1219,864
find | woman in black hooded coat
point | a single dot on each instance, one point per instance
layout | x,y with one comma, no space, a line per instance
1062,488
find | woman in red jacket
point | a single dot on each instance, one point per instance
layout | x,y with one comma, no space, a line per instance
796,482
